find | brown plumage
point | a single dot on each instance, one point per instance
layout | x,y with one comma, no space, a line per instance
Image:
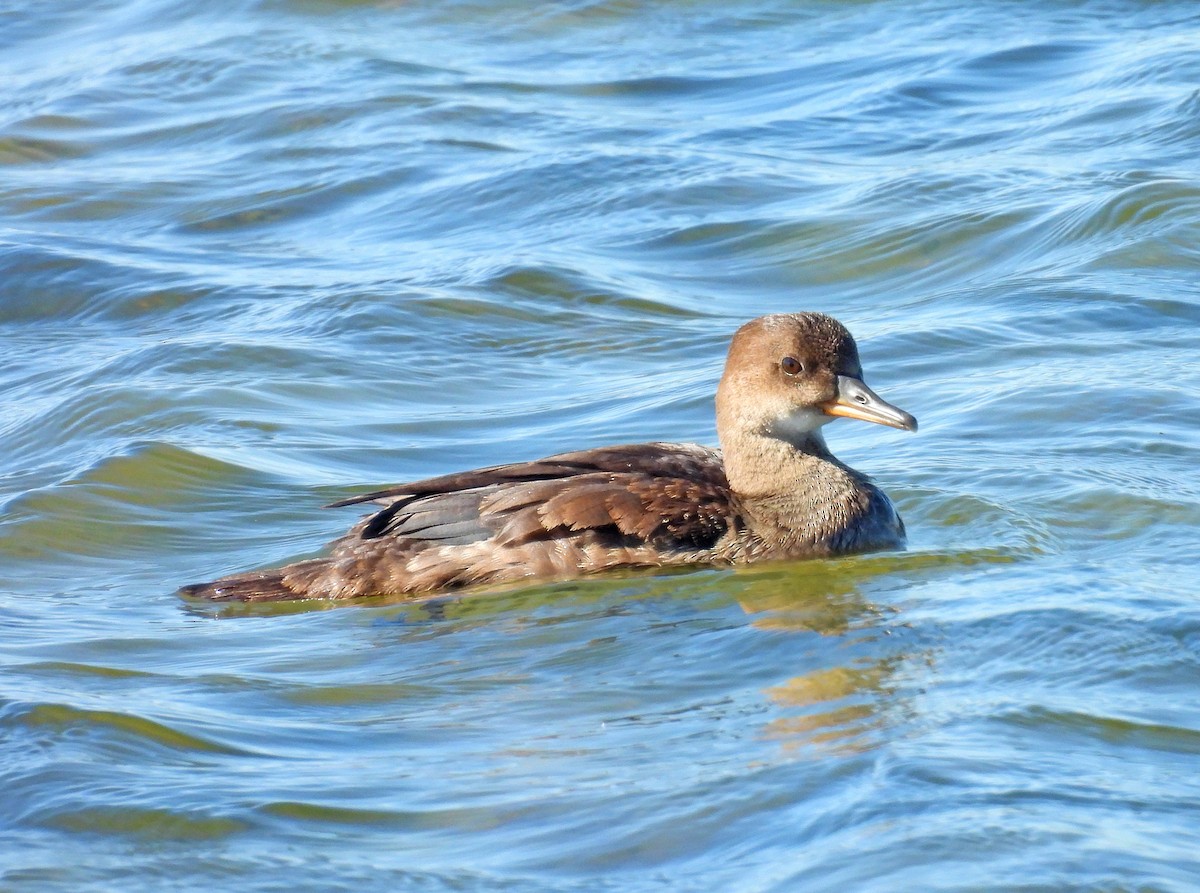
773,491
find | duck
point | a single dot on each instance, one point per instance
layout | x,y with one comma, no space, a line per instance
771,491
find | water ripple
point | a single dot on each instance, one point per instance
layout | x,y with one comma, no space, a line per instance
256,261
60,720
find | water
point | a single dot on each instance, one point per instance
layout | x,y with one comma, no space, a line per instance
256,259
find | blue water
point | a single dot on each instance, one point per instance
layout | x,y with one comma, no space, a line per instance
258,258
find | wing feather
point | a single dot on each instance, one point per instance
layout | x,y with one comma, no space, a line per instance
672,496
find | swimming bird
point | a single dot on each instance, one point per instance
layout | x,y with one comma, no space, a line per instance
772,491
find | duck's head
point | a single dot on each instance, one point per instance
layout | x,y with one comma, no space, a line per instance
789,374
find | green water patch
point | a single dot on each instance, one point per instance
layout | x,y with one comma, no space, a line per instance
972,525
361,693
65,720
1111,730
148,825
400,820
1153,207
71,668
837,249
126,503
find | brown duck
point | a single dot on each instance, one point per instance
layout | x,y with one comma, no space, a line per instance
772,491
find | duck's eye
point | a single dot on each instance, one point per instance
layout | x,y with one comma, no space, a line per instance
791,366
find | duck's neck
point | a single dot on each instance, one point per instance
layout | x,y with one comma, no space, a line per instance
800,501
761,465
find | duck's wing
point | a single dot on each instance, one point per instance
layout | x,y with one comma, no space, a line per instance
671,496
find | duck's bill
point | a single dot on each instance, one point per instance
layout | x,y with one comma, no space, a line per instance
857,401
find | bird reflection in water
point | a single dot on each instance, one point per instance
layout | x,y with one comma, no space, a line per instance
845,696
836,691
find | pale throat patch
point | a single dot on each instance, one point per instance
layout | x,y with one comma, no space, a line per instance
800,424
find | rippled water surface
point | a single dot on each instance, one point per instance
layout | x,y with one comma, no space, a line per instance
255,257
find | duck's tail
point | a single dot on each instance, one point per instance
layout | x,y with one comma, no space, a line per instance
259,586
